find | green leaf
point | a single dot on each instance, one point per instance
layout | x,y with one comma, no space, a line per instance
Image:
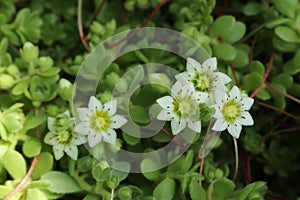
50,72
120,174
20,88
252,81
4,191
287,34
131,139
280,21
221,25
252,8
147,166
292,66
34,194
3,149
283,79
295,90
139,115
257,187
60,182
220,189
165,190
279,100
286,7
33,121
257,67
14,163
263,94
241,59
43,165
224,51
285,46
31,147
91,197
196,191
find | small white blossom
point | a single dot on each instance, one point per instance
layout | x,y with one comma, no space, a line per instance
232,112
205,77
62,136
99,121
182,107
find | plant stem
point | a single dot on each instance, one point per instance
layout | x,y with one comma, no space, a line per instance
265,76
112,194
32,166
282,93
278,110
80,29
236,159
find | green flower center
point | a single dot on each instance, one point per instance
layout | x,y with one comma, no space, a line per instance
231,111
202,82
65,137
100,121
185,107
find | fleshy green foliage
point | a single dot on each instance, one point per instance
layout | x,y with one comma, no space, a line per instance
41,53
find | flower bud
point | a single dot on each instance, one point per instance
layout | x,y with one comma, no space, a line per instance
105,96
29,52
6,81
65,89
125,193
111,79
13,70
113,182
45,63
97,28
62,122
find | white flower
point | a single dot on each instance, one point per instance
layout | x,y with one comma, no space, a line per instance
205,77
232,112
62,136
99,121
182,108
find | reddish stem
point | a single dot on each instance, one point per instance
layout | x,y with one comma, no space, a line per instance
167,133
141,26
98,11
282,93
265,76
79,25
32,166
252,48
278,110
231,65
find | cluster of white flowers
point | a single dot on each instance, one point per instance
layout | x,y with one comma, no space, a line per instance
202,83
96,123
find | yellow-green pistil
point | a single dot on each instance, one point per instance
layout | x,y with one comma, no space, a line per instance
202,82
231,111
100,121
185,107
65,137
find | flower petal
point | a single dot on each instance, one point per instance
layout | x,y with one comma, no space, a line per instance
83,128
50,139
184,77
50,123
223,78
165,102
201,97
235,130
177,89
118,121
58,151
246,119
83,114
94,139
72,151
94,104
177,125
110,107
210,64
192,65
247,102
234,92
79,139
195,126
165,115
220,125
110,136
